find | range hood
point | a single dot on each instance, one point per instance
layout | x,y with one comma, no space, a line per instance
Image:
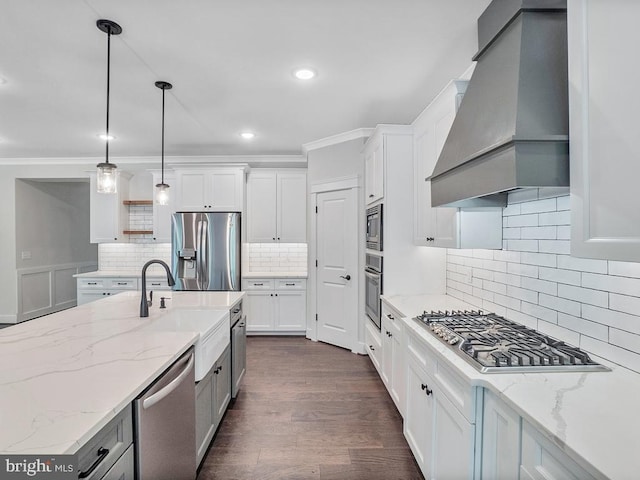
512,128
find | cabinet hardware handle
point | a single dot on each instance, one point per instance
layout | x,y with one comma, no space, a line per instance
426,389
371,347
152,283
115,238
423,386
278,238
92,283
276,294
125,283
371,195
272,294
274,238
290,284
102,453
241,325
428,392
430,239
236,310
390,317
258,284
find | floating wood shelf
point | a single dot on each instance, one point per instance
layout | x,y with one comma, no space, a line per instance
137,202
137,232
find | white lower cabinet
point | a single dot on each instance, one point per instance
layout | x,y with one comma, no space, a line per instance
393,363
500,439
373,344
275,305
540,459
513,448
95,288
441,437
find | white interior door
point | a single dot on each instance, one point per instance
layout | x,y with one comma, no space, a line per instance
337,250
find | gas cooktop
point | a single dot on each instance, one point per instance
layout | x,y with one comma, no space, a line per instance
492,343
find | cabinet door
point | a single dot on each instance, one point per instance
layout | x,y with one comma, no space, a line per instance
162,213
418,418
205,417
290,311
261,207
374,169
238,355
123,469
386,370
260,311
603,38
191,191
107,213
500,440
425,221
225,191
222,388
396,380
292,207
452,454
542,460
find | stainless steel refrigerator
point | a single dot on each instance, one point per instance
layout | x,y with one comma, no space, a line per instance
205,250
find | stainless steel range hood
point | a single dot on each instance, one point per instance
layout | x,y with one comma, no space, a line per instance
512,128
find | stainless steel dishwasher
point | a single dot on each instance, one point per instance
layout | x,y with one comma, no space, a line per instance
165,441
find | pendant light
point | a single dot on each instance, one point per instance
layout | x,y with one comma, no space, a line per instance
106,176
162,194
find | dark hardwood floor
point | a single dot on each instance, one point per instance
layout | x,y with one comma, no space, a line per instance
309,410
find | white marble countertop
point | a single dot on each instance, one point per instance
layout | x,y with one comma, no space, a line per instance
66,375
592,416
274,275
122,273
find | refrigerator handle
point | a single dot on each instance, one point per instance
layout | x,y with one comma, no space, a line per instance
204,248
200,253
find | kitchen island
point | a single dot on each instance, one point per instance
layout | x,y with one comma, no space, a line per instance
66,375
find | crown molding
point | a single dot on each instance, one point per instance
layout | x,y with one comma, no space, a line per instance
335,139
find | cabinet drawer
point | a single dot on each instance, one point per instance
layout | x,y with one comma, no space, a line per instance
421,353
394,321
157,284
91,283
457,389
373,343
101,452
257,284
291,284
121,283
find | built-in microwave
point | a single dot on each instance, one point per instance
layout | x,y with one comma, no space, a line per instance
374,228
373,288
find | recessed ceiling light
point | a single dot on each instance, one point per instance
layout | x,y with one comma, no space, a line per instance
304,74
102,136
248,135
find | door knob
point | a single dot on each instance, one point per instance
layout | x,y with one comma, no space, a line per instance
346,277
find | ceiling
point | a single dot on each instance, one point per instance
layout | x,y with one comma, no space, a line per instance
231,64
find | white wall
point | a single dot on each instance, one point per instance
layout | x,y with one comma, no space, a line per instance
594,304
52,223
8,246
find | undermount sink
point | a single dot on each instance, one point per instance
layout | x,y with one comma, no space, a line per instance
212,325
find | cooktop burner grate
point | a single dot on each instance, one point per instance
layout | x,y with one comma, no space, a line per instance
492,343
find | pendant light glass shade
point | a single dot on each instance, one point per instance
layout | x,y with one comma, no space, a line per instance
107,175
107,178
162,192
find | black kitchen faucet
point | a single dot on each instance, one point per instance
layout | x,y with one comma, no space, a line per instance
144,304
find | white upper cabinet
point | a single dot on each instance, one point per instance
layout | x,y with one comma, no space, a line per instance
446,226
603,119
277,206
162,213
210,190
108,216
374,169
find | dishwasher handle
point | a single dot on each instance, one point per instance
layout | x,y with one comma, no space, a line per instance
158,396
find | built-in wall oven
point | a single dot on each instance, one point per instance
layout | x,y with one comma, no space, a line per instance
373,287
374,228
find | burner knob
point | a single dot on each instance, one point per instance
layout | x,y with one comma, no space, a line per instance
453,341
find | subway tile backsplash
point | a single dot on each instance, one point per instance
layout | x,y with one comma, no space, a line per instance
275,257
132,256
591,303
